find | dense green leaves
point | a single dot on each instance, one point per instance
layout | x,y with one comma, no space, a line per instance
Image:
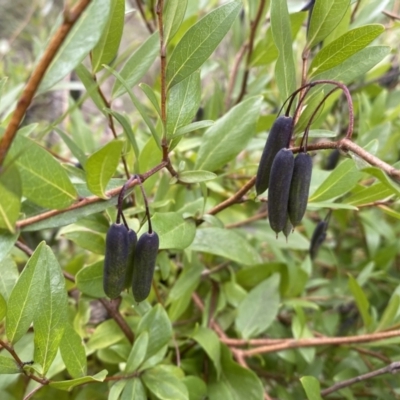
200,41
225,139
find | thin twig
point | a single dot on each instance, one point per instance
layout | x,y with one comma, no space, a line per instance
253,30
391,15
70,18
32,392
22,246
392,368
147,23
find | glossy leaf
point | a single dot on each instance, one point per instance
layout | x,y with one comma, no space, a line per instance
68,385
26,295
312,387
229,135
107,47
225,243
138,352
82,38
8,366
183,103
89,280
342,179
200,41
344,47
10,200
236,382
100,167
285,71
174,12
45,183
164,385
138,64
173,230
73,352
325,16
209,341
50,317
259,308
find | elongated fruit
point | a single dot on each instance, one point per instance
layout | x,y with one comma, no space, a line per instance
115,260
278,193
318,238
132,240
144,264
278,138
299,188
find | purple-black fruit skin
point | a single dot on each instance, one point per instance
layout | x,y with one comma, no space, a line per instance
132,241
299,188
278,138
144,265
115,260
318,238
278,192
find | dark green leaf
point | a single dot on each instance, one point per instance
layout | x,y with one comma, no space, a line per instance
259,308
107,47
229,135
82,38
200,41
89,280
138,64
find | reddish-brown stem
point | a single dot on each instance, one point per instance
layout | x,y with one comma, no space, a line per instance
70,18
147,23
253,30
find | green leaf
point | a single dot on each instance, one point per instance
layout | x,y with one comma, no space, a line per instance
209,341
174,12
107,47
134,389
340,181
50,317
173,230
117,388
26,295
8,277
164,385
149,92
3,307
82,38
312,387
225,243
394,187
138,64
356,65
8,366
75,149
324,18
158,326
68,385
344,47
105,335
259,308
183,103
196,176
138,352
101,166
390,313
200,41
285,71
10,200
229,135
89,239
45,183
194,126
361,301
196,387
7,241
236,382
89,280
73,352
369,194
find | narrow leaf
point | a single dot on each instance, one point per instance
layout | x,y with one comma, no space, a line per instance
174,13
51,315
82,38
200,41
138,352
194,126
26,295
344,47
325,16
137,65
253,316
149,92
285,71
101,166
10,199
68,385
229,135
361,301
75,149
107,47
